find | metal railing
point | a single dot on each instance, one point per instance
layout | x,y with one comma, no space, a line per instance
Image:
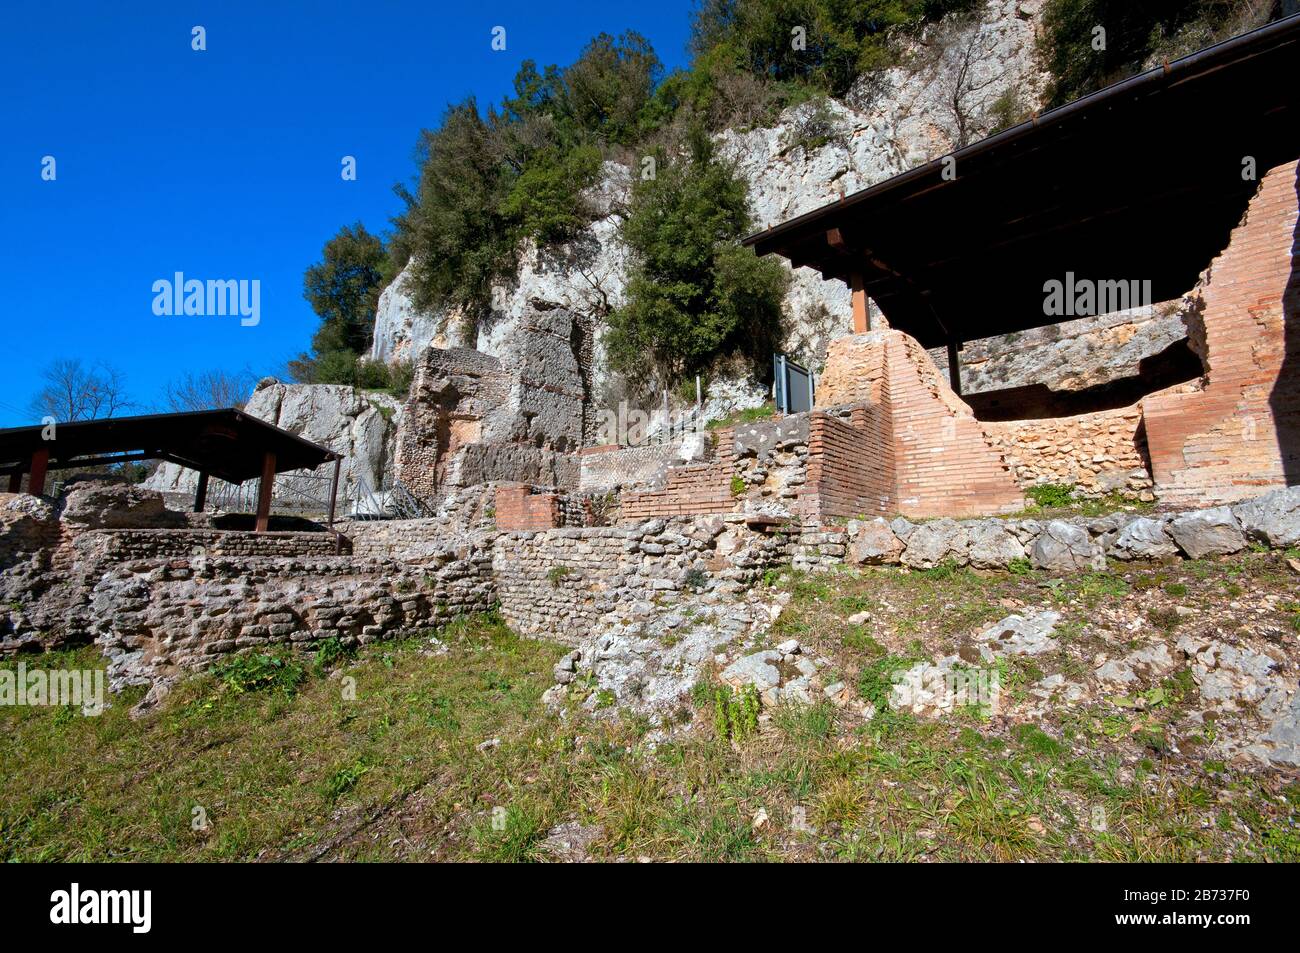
393,500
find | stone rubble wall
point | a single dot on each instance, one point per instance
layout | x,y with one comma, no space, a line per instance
167,613
129,544
157,619
28,525
557,583
1058,545
1096,453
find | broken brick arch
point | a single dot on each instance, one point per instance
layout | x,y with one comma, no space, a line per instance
1152,179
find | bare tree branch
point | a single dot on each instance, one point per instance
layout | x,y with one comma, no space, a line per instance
73,391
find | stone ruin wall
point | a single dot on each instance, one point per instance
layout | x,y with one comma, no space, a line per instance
157,613
1097,453
614,467
557,583
473,419
162,602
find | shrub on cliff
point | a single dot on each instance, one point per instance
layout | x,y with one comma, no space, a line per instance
823,43
1137,36
694,294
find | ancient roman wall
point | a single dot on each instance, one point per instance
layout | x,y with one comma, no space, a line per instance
1240,432
119,544
156,619
613,466
850,465
1096,453
694,489
557,583
523,507
943,463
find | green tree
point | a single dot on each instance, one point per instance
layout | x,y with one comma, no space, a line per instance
343,289
601,97
454,228
608,87
1137,35
824,43
695,294
544,201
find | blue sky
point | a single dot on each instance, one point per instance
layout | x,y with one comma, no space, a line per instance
225,163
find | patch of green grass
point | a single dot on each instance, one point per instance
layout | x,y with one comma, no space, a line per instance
876,680
508,835
805,723
275,671
1051,495
857,638
1038,742
344,779
747,416
1020,566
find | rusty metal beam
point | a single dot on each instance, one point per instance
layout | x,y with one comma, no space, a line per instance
36,475
264,491
201,493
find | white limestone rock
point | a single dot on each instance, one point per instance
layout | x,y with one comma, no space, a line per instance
360,425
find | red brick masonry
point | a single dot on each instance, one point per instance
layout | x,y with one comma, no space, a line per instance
1239,434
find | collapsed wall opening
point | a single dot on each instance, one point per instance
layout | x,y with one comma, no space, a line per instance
1078,367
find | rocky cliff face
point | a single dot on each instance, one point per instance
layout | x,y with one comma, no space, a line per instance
1073,355
946,92
358,424
940,96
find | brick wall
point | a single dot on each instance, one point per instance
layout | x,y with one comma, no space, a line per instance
850,465
692,490
519,507
1239,433
945,463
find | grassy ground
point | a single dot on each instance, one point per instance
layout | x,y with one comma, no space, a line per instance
281,765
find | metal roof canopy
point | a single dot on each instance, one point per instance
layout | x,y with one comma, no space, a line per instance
1142,180
227,444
